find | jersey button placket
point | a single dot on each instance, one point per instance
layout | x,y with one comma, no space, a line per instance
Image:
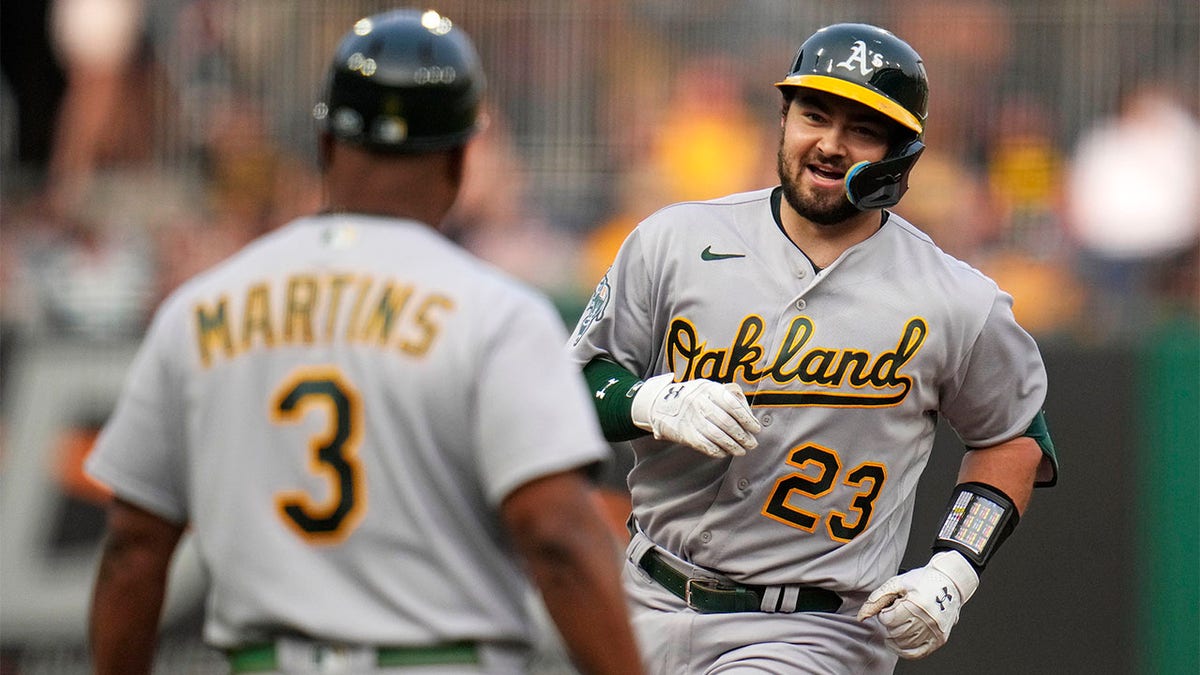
801,304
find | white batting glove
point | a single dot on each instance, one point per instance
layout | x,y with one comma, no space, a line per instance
918,608
711,417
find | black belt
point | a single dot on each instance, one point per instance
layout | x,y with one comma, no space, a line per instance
709,596
257,658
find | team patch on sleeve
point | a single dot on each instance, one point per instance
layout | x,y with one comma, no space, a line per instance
594,310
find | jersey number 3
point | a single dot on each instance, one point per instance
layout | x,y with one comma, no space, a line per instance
818,470
332,454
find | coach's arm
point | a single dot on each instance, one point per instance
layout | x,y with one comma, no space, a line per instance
560,535
130,586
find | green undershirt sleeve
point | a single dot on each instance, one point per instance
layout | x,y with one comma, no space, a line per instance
1039,432
612,390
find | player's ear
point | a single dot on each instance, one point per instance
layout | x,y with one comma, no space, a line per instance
457,164
788,95
324,150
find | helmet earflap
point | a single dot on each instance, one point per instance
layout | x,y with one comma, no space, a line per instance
878,185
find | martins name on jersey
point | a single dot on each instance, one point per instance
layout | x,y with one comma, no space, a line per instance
313,308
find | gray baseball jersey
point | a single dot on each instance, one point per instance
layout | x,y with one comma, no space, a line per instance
338,410
848,370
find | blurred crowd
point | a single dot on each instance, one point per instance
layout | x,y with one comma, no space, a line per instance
142,141
1092,225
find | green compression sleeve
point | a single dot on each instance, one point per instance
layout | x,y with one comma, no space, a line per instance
1039,432
612,390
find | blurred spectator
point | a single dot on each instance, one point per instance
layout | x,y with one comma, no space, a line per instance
250,185
1134,189
96,41
1003,221
965,45
961,43
77,264
74,276
96,251
496,219
192,37
705,143
1133,201
992,195
636,198
1024,167
1029,255
949,197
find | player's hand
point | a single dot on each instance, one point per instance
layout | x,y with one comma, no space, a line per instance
711,417
918,608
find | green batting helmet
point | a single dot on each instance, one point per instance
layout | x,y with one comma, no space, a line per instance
872,66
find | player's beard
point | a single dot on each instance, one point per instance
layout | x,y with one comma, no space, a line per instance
820,207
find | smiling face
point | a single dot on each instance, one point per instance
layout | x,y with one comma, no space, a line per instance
823,135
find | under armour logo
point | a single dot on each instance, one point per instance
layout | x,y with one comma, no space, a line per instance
604,390
944,598
673,392
858,59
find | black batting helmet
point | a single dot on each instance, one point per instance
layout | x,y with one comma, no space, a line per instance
872,66
403,81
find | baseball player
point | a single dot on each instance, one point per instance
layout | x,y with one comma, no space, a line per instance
805,341
372,436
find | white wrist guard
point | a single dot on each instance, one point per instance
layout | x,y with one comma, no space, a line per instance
711,417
